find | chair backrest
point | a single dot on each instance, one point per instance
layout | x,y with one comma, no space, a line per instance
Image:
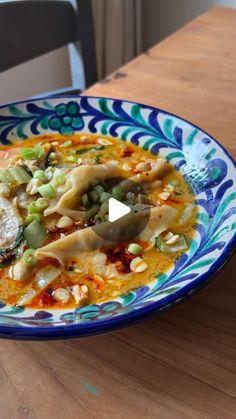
30,28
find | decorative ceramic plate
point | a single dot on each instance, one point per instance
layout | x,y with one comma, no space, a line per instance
201,159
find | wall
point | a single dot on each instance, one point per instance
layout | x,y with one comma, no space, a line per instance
162,17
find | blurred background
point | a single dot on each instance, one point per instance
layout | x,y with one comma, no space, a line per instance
123,29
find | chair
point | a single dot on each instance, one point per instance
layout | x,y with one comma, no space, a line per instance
30,28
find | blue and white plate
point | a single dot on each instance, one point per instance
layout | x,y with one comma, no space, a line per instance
202,160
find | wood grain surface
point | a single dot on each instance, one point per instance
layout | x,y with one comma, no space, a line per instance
181,364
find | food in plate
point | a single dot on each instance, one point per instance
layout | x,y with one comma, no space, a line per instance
55,191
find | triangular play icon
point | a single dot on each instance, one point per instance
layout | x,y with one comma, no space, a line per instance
116,209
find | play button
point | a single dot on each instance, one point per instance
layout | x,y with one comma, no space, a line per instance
124,218
116,210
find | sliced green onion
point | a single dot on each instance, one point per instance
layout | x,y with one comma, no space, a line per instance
35,235
101,218
83,150
135,249
85,200
177,247
29,258
105,196
104,208
100,147
161,245
9,175
70,152
49,173
59,177
32,208
6,176
16,174
98,158
20,175
32,217
86,150
104,185
30,153
3,178
39,151
94,196
42,203
72,159
117,193
47,191
99,189
66,144
40,174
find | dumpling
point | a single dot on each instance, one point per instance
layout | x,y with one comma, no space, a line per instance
70,246
86,239
78,182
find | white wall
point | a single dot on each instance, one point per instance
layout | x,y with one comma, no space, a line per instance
42,74
162,17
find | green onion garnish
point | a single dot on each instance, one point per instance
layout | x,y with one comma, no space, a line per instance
39,151
86,150
66,144
40,174
5,176
49,173
83,150
42,203
47,191
101,218
59,177
181,245
72,159
20,175
35,235
85,200
105,196
98,158
30,153
117,193
135,249
99,189
16,174
32,208
93,196
32,217
29,258
104,208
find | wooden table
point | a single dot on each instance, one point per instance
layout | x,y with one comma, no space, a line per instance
181,364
